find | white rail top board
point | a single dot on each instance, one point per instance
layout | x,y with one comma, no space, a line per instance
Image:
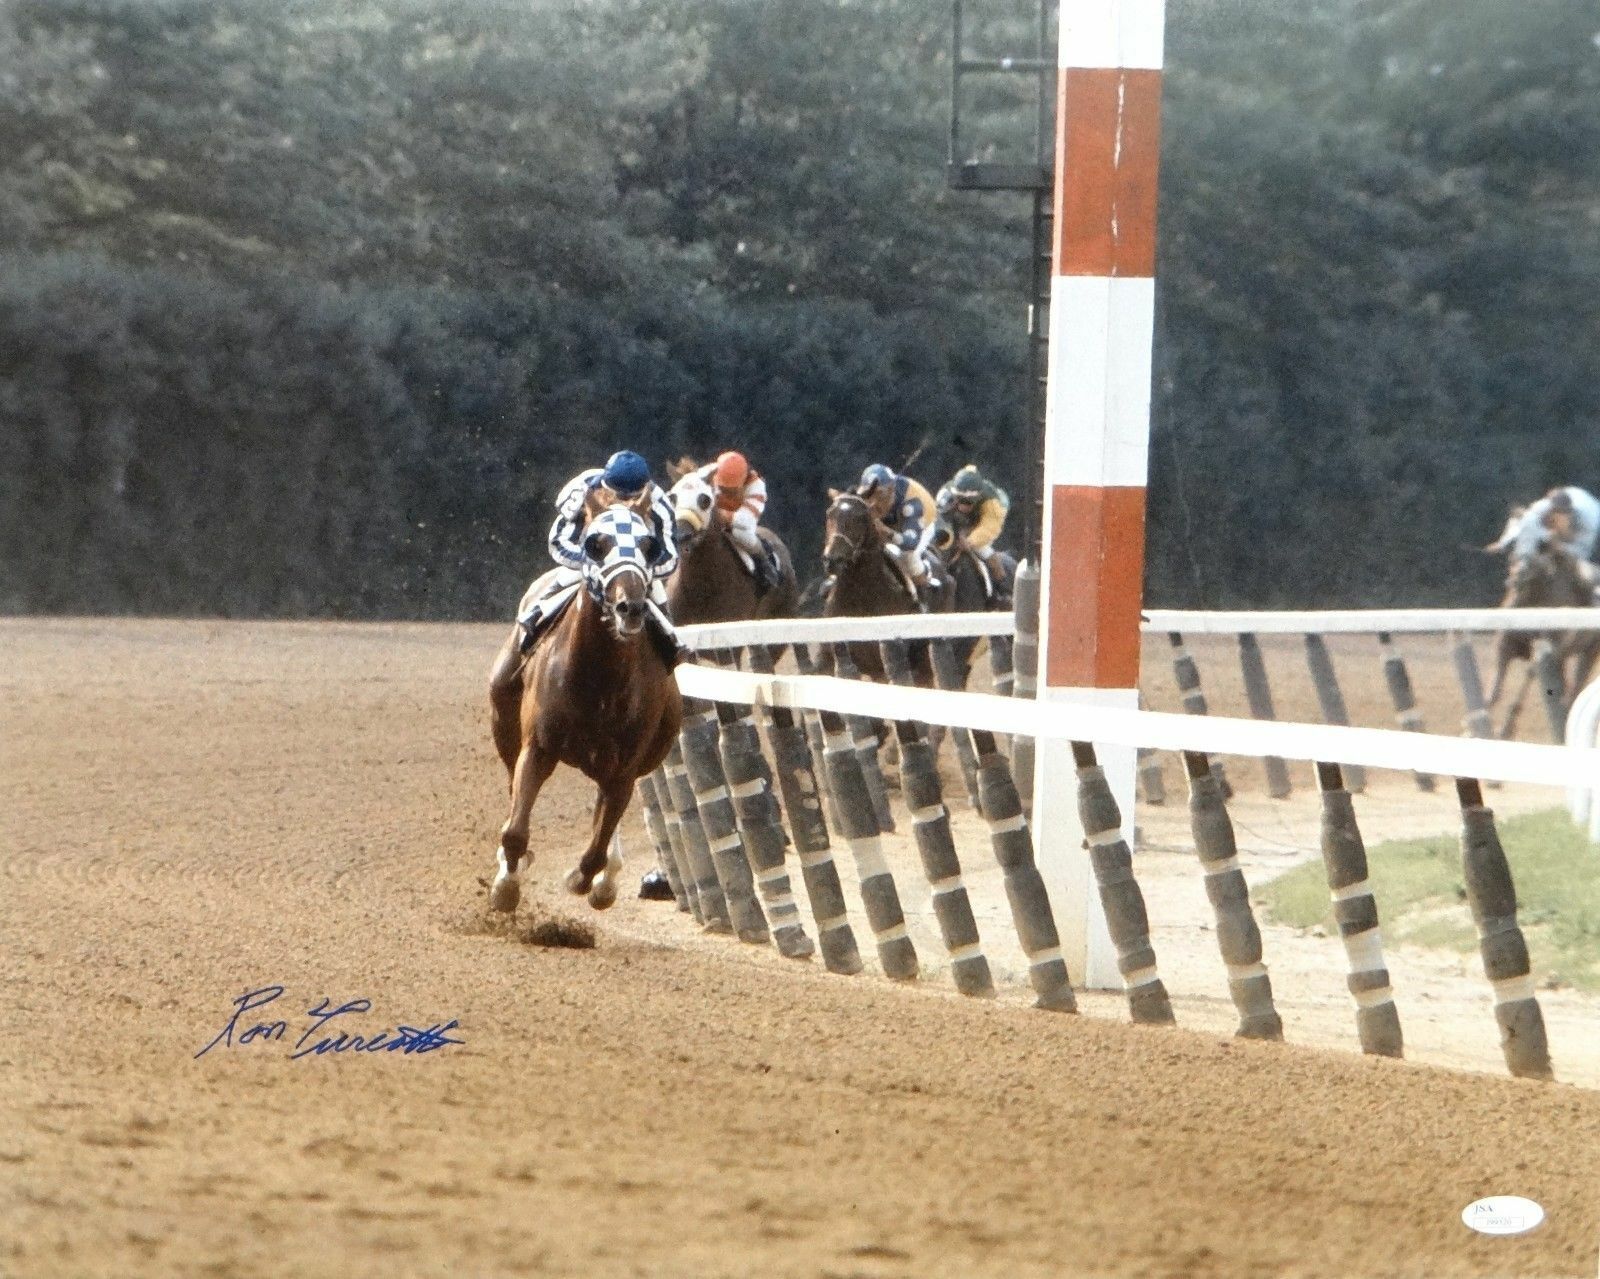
1373,747
825,630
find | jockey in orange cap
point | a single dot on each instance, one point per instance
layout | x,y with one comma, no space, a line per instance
741,498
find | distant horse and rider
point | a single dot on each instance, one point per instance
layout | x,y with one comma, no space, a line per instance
891,547
1548,546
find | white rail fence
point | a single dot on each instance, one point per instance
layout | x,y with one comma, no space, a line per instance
718,796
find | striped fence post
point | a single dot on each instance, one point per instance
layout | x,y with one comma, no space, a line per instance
1493,898
1012,840
678,842
1119,891
930,821
858,825
1344,856
802,804
702,758
947,674
1398,679
666,856
1238,937
864,732
1476,720
1187,675
1152,785
1259,694
1331,698
1002,674
1552,688
806,664
1025,672
760,828
706,889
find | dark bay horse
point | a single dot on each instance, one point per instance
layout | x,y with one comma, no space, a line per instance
973,588
1549,578
596,693
867,584
711,583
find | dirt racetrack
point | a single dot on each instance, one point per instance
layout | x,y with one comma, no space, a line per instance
191,810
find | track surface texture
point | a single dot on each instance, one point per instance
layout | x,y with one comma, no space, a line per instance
192,809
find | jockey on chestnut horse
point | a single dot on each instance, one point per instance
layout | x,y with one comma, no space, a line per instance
585,678
729,568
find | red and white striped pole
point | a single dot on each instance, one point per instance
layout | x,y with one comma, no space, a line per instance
1097,428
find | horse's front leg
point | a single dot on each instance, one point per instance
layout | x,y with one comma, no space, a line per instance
597,870
532,770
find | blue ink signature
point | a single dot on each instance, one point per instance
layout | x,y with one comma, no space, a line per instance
403,1039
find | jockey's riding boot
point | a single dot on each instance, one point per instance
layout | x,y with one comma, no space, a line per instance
766,573
655,888
526,642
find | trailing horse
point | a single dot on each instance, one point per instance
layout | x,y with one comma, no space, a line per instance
1548,578
867,584
973,588
596,693
712,583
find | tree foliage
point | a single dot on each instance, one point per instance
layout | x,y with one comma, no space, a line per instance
310,308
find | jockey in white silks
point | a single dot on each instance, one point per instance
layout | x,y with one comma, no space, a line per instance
740,498
625,480
1567,517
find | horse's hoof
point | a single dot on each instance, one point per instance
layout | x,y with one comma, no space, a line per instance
792,943
577,882
655,888
504,895
603,895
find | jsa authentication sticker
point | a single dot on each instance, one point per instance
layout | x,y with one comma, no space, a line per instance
1502,1215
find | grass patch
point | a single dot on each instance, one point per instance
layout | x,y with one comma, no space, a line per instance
1422,898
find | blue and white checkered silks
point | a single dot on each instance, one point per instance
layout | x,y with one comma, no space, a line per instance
628,535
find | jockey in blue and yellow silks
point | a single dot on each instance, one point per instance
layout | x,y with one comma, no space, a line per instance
905,508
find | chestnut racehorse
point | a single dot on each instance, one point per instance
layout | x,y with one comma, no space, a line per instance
711,583
596,693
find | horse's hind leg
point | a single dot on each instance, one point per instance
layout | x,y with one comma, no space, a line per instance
533,769
505,702
597,870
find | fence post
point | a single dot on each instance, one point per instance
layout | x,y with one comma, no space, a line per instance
1476,721
1259,693
1345,858
947,675
1025,666
1493,898
860,830
1552,688
1400,693
1238,937
864,732
807,665
1002,674
703,871
919,780
1331,698
701,757
802,804
760,829
1119,891
1187,674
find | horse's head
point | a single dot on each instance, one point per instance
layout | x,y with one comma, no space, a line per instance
692,502
849,532
618,547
